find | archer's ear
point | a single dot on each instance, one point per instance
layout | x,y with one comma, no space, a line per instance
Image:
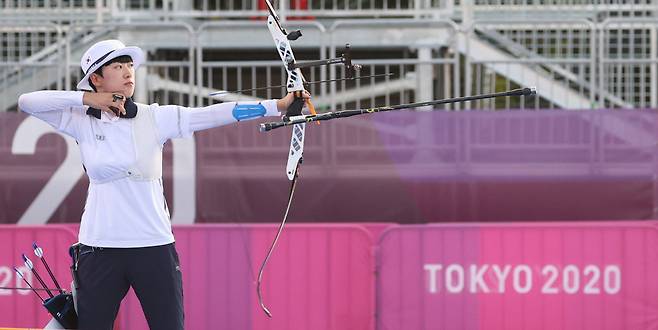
96,79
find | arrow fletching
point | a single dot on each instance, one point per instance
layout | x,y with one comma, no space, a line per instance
38,251
28,262
18,272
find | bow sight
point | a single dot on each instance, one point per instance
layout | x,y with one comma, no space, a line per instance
345,59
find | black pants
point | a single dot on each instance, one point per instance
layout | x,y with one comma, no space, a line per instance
106,274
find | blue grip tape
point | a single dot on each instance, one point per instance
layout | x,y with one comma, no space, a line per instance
248,111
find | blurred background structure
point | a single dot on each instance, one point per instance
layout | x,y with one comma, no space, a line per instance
580,54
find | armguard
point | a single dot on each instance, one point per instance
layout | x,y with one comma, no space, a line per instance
248,111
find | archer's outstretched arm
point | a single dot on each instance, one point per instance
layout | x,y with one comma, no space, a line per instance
175,121
231,112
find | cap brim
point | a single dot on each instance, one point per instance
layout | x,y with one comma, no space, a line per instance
135,53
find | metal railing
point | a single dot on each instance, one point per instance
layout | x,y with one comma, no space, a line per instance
108,10
571,67
126,10
287,9
54,10
628,56
595,10
27,49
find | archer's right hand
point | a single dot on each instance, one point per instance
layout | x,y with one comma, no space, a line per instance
106,102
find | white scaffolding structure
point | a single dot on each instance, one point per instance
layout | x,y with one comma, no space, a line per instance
445,48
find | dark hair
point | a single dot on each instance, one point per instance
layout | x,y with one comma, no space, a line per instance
99,71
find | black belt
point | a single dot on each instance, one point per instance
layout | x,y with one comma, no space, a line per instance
86,248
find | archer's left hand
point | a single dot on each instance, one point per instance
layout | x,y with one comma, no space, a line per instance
283,104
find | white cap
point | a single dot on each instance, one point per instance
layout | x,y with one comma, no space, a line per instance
101,53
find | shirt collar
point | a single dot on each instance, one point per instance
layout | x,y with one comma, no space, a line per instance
108,117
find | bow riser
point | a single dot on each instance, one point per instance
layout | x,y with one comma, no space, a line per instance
296,148
295,84
295,78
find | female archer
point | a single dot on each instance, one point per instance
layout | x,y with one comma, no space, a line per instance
125,233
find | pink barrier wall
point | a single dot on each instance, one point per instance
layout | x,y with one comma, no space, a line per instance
319,277
22,308
597,275
578,275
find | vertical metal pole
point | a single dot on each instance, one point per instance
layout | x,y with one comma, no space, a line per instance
141,92
283,11
99,11
466,31
654,105
332,70
124,8
447,81
468,80
592,66
60,57
191,46
418,9
199,65
654,66
113,8
602,63
456,76
67,59
323,56
424,127
424,75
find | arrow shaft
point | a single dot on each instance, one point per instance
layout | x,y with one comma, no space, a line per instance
43,284
39,253
43,260
33,289
28,284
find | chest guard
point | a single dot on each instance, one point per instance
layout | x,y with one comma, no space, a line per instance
147,148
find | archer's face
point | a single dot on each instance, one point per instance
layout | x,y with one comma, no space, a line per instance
117,78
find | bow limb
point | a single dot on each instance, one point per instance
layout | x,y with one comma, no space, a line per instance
276,239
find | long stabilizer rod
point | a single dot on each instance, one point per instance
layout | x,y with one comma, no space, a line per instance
264,127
